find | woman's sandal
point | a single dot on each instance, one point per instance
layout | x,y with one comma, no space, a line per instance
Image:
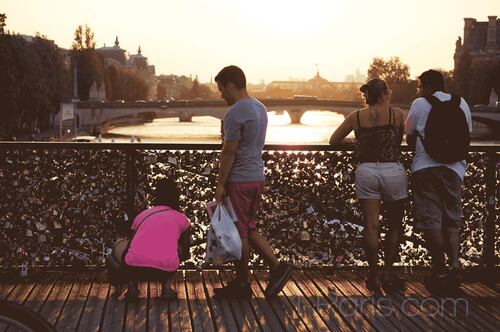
132,295
373,285
168,294
393,284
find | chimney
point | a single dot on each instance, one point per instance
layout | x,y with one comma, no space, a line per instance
470,24
491,37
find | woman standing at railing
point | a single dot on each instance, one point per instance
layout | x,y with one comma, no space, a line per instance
379,176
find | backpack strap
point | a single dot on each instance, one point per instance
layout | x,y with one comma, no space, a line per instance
359,123
456,100
433,100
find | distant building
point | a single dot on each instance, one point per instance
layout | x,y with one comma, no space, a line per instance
114,55
356,78
316,83
481,41
119,57
174,84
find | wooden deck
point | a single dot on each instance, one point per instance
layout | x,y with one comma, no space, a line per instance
311,301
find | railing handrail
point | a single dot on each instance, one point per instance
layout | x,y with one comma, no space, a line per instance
201,146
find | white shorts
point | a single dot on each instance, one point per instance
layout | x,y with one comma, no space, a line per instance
385,181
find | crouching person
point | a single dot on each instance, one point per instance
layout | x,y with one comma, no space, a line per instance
159,243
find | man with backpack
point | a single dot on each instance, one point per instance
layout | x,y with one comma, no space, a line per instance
438,127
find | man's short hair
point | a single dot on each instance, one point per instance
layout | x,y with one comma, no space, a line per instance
232,74
432,79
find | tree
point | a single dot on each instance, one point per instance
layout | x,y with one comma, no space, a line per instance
474,79
463,74
3,18
195,89
90,65
32,84
126,84
397,76
392,71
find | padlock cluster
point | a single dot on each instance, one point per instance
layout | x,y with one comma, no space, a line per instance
68,207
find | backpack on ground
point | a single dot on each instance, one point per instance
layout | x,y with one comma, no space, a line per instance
447,136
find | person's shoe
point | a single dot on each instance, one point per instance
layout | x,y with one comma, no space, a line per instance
373,285
454,277
278,279
234,290
453,281
132,295
393,284
168,294
436,284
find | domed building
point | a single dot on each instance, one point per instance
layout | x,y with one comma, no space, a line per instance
139,61
140,64
114,55
119,57
317,82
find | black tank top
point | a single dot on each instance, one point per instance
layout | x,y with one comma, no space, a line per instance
379,144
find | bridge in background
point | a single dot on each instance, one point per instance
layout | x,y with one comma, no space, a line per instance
92,115
489,116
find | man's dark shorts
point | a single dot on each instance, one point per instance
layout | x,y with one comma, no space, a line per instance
437,199
245,198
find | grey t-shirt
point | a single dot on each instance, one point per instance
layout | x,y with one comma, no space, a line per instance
246,121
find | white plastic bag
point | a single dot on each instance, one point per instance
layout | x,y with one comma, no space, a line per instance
223,239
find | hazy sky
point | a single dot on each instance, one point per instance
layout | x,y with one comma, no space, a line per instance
269,39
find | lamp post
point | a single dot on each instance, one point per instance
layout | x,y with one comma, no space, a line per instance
75,99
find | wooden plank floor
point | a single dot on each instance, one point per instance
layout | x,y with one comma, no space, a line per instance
311,301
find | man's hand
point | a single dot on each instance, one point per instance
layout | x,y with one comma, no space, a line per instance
220,193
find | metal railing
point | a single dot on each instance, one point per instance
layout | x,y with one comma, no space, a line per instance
66,203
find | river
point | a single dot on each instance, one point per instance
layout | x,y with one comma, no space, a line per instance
316,127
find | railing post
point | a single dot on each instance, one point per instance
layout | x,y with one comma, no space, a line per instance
131,185
489,228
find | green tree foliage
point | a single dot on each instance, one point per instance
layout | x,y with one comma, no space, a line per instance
90,65
201,91
32,84
397,76
474,81
3,18
161,92
125,84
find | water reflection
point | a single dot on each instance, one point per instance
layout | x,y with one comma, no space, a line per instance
316,127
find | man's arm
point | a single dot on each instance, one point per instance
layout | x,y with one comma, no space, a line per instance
227,157
410,128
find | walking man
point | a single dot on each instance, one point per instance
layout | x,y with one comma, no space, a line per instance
438,126
241,177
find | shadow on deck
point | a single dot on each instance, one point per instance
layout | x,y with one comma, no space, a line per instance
317,300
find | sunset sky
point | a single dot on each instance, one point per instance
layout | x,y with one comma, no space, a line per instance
269,39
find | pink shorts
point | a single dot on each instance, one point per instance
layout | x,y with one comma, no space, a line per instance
245,198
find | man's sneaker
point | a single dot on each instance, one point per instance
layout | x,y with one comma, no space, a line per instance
454,277
444,285
168,294
436,284
278,279
234,290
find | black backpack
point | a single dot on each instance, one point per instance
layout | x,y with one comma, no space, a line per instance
447,136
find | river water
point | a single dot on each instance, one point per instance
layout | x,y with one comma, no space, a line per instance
315,128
